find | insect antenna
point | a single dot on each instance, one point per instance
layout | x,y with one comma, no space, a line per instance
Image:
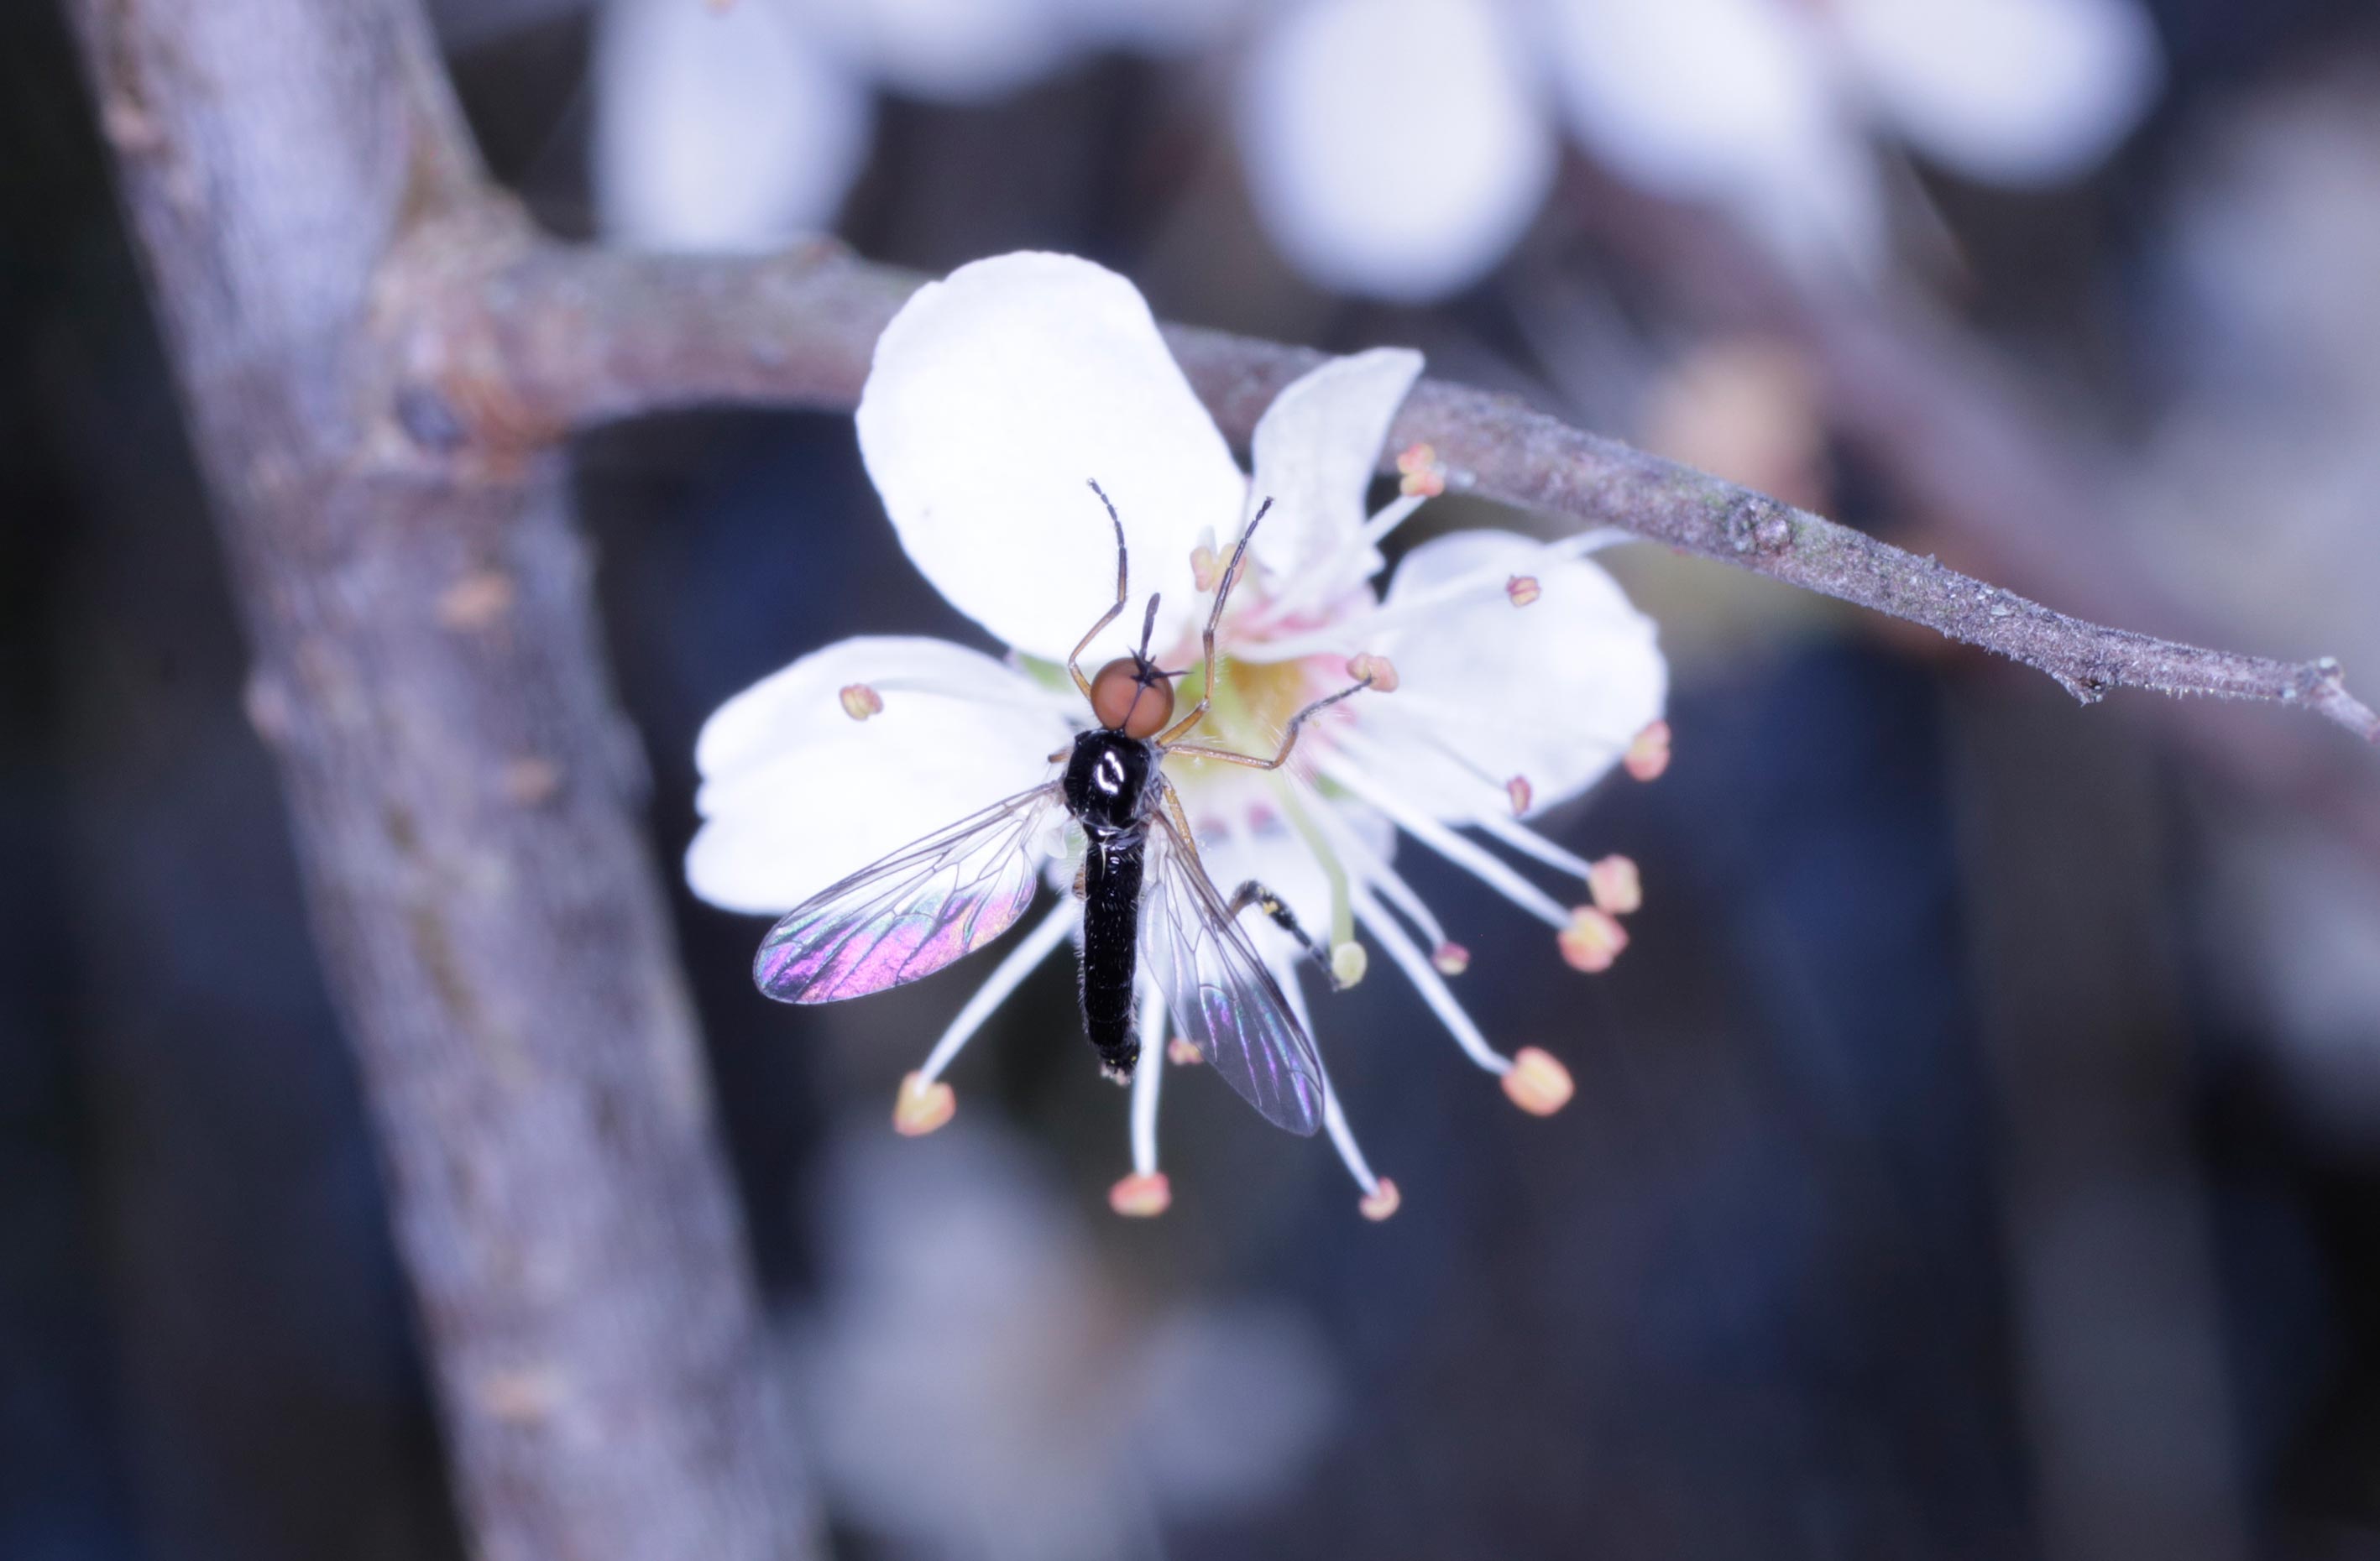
1232,572
1147,627
1214,618
1123,592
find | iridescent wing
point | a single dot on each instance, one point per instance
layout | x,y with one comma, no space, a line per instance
1223,999
913,912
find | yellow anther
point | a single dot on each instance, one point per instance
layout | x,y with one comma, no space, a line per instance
920,1108
1537,1083
1141,1197
1593,940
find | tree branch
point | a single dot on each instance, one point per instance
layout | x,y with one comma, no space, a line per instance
552,338
462,786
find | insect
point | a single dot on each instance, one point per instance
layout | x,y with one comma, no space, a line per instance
1146,895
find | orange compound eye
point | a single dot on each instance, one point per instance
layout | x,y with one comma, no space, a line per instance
1125,699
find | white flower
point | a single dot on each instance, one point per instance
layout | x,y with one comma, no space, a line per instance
737,125
1521,674
1398,147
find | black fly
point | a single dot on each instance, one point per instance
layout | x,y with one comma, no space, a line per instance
1146,895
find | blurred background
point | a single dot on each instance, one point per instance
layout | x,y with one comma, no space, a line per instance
1977,1151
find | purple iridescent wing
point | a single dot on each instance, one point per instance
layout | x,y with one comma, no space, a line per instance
913,912
1223,999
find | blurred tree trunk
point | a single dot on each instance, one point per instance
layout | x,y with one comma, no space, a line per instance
463,791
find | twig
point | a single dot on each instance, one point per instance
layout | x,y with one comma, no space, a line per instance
553,338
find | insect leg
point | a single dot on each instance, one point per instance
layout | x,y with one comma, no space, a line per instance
1271,905
1124,591
1288,738
1206,641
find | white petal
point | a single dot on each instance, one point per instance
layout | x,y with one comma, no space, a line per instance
1552,692
958,50
1395,148
2021,91
720,129
1724,101
994,396
1316,448
796,794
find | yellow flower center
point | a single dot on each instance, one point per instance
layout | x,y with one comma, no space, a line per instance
1254,702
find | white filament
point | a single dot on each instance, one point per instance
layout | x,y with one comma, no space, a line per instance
1148,1078
1426,981
1046,934
1334,1121
1466,854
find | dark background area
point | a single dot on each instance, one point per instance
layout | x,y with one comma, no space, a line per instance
1948,1176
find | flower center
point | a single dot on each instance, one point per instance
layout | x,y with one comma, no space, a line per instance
1253,704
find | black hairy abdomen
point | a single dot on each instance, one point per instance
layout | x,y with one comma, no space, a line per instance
1111,872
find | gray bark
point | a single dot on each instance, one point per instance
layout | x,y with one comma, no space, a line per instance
463,788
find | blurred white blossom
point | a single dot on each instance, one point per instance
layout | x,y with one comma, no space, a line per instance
740,124
1397,147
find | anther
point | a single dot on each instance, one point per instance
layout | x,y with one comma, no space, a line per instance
1380,1202
1451,958
1649,753
920,1106
1520,793
1141,1196
1377,670
1522,589
1348,964
1593,940
1615,885
1206,563
1420,473
1181,1054
1537,1083
859,701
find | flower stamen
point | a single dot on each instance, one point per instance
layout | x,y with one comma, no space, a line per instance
1343,914
1348,964
1368,867
1141,1197
1539,1083
1206,562
1148,1079
922,1105
1380,671
1419,607
1649,756
1433,990
1616,885
1009,974
1391,515
1420,473
1464,853
1593,941
1380,1198
1530,844
859,701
